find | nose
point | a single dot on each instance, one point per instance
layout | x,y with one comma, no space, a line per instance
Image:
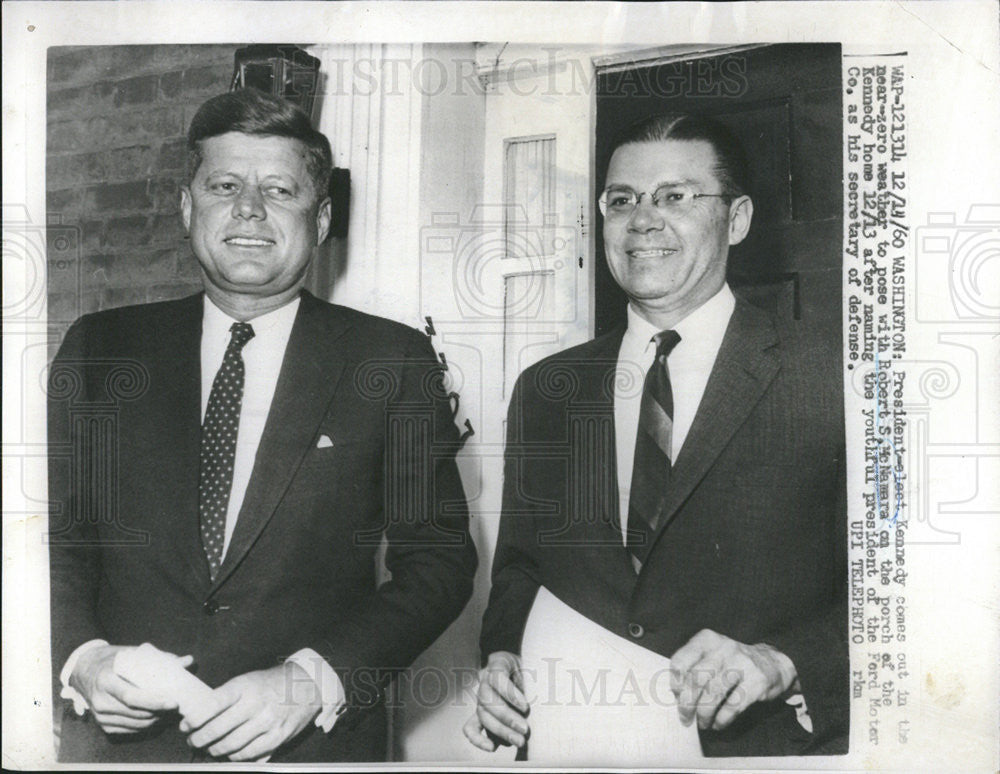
249,204
646,216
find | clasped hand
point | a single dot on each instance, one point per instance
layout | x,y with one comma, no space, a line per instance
501,707
247,718
118,706
715,678
255,713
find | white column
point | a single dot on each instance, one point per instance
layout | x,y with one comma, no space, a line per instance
371,112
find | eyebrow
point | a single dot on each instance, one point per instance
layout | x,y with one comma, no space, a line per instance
658,186
288,181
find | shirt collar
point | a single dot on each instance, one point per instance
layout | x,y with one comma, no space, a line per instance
708,321
216,323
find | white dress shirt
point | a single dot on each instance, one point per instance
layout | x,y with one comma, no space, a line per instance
262,359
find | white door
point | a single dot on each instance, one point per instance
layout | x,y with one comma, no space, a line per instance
536,184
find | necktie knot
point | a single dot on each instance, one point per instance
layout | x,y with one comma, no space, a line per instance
665,343
240,334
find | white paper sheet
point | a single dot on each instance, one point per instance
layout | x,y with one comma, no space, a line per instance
597,698
161,673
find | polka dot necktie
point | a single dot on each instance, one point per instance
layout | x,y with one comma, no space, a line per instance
218,445
651,465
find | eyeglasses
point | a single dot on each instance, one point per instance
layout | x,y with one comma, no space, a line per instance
620,202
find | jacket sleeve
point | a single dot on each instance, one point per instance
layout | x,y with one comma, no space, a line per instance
74,556
514,575
429,553
818,646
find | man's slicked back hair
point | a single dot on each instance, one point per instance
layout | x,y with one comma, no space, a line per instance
732,167
255,112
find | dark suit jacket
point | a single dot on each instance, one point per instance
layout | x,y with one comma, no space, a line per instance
127,563
753,542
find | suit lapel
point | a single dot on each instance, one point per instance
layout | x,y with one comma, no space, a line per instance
177,415
745,366
313,363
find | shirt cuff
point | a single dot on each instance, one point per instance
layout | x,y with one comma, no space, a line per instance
798,701
80,705
331,689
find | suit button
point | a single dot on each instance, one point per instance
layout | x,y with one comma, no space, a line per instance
635,630
211,607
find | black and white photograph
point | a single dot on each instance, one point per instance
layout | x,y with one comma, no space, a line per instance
492,385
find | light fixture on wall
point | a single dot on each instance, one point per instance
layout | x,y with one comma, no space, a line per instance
289,71
282,69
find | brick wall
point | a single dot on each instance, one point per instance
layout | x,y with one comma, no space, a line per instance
117,117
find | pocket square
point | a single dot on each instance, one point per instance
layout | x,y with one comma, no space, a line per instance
324,442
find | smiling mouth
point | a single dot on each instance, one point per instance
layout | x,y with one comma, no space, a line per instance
248,242
658,252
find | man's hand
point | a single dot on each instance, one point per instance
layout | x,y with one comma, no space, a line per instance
716,678
256,713
118,706
500,705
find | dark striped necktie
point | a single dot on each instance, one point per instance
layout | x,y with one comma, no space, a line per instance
651,464
218,445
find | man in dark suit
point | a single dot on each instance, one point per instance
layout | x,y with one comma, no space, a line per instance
681,482
223,469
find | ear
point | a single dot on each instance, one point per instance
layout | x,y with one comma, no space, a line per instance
186,208
324,213
740,215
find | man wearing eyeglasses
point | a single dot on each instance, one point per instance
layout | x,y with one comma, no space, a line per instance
677,486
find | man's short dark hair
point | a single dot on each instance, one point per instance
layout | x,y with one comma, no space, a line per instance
732,167
252,111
